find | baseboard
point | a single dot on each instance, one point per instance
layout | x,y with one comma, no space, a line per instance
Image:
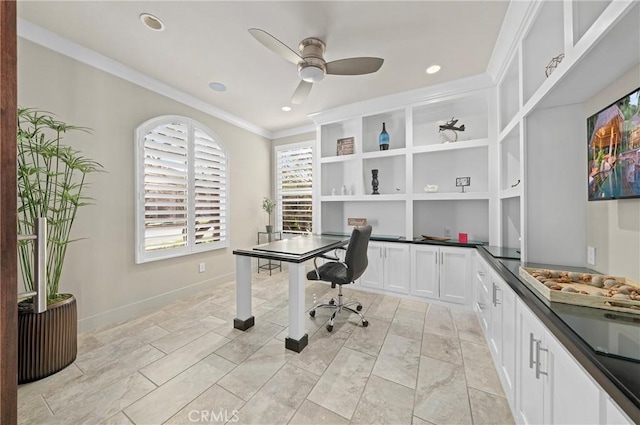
138,308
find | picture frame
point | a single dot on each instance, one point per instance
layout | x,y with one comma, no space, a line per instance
463,182
345,146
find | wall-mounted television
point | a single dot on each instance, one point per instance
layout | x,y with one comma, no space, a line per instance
613,136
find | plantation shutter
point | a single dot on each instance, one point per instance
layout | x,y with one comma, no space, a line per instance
210,190
294,188
182,189
166,182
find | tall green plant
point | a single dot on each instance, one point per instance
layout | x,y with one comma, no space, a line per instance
51,180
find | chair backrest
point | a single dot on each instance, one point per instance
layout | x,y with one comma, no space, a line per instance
356,256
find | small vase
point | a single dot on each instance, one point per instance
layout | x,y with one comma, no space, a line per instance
374,182
383,139
269,228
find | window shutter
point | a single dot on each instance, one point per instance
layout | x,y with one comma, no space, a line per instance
166,180
182,185
210,189
294,189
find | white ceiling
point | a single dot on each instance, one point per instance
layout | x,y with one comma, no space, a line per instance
207,41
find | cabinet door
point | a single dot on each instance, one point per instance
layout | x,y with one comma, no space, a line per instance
455,264
508,323
373,275
615,416
396,267
424,271
571,397
495,331
529,387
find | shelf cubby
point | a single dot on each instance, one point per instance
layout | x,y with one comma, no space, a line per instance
544,41
509,93
339,130
585,13
391,174
510,226
338,174
442,168
470,110
438,218
386,217
510,157
395,126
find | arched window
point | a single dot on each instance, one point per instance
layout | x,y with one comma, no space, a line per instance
181,189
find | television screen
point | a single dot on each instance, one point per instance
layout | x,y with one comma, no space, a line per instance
614,150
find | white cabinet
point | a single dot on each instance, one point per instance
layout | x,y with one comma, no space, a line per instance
496,309
551,387
388,267
613,414
441,273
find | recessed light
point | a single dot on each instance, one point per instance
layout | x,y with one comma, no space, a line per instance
151,22
217,86
286,108
433,69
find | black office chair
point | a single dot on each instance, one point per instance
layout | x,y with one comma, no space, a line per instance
343,273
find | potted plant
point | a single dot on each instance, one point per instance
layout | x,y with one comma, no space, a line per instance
268,205
51,181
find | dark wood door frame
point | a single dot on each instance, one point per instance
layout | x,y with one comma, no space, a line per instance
8,213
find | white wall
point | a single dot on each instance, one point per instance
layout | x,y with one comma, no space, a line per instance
613,227
100,269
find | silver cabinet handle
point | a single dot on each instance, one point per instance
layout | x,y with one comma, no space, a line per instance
531,342
496,302
538,349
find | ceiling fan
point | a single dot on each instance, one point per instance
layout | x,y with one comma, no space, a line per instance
311,64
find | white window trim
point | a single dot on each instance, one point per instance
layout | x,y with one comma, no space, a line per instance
306,144
141,256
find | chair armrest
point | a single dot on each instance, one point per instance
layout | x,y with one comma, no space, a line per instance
333,257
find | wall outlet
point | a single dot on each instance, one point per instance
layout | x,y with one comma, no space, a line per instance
201,267
447,232
591,255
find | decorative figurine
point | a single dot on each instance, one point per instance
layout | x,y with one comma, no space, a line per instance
450,131
374,182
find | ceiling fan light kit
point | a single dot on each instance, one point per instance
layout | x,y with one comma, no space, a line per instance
311,64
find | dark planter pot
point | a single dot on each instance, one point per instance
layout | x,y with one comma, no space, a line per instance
47,342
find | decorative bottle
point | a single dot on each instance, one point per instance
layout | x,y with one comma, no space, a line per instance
383,139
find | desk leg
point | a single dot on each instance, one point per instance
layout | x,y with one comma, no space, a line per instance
298,338
244,319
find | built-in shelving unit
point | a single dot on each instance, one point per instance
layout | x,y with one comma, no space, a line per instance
541,125
419,155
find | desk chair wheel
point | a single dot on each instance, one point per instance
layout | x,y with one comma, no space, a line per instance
329,328
332,301
359,307
312,313
365,323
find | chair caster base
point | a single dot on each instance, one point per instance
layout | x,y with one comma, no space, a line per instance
359,308
329,328
365,323
312,313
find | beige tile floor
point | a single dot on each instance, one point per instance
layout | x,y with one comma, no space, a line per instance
416,363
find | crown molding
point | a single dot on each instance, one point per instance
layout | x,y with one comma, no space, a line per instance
64,46
311,128
404,99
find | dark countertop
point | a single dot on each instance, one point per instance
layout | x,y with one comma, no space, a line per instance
620,378
393,238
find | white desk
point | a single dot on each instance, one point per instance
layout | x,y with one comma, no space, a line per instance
294,251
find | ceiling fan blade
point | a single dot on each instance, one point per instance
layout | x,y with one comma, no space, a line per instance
301,93
354,66
275,45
